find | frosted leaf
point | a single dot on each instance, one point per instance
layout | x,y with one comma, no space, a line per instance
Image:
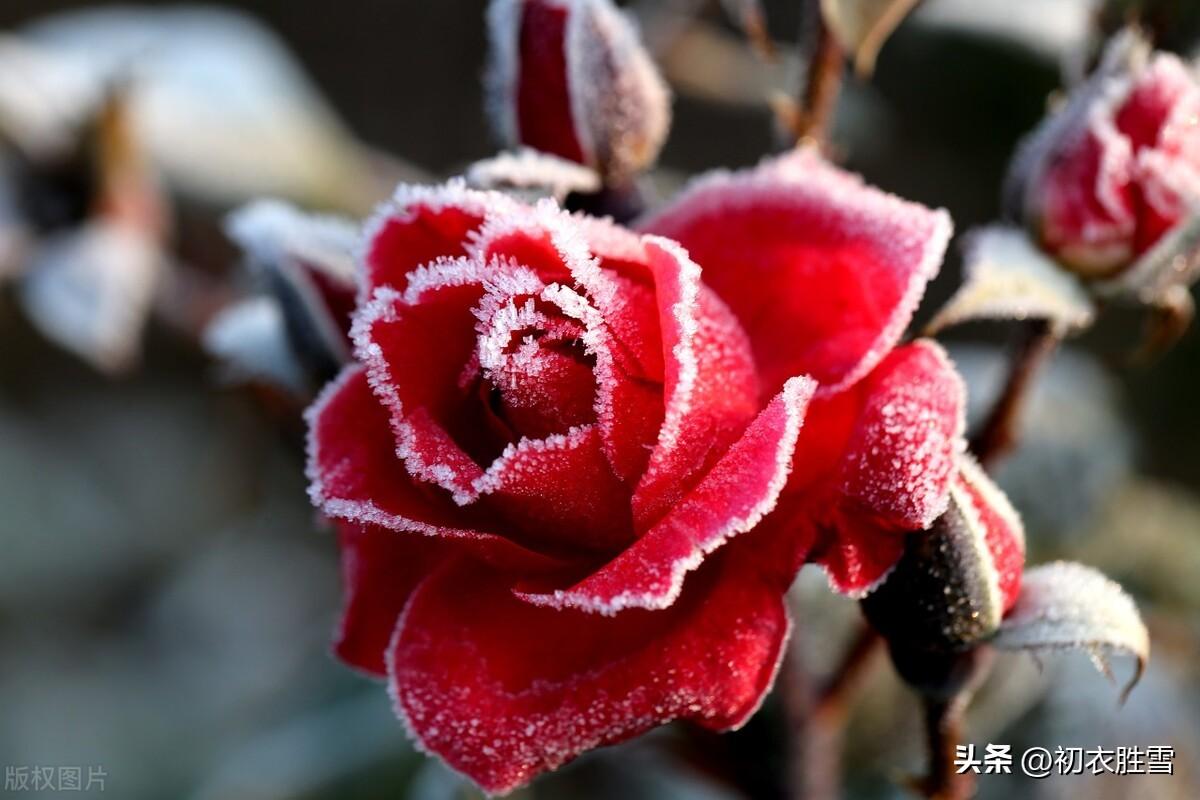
250,341
862,26
1065,605
223,107
1007,277
274,233
91,289
1056,31
43,98
531,174
307,262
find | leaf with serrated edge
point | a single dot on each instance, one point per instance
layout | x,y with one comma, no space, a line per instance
862,26
1007,277
1064,605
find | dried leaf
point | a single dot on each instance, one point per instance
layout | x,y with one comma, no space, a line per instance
1007,277
862,26
1065,605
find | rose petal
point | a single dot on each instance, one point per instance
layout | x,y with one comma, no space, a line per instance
560,493
1085,208
1000,526
711,389
421,224
503,690
380,568
415,347
354,475
900,456
859,553
822,271
731,499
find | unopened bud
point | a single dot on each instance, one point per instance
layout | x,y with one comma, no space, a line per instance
572,78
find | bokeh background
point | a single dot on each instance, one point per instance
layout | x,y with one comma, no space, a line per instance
167,595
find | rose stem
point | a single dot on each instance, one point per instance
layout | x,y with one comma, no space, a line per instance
944,731
999,432
822,80
818,716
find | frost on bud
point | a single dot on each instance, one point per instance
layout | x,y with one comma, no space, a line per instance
955,581
1115,173
306,264
571,78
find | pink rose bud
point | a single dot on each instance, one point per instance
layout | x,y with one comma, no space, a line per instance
1106,178
571,78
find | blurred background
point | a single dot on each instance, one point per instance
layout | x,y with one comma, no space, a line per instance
166,593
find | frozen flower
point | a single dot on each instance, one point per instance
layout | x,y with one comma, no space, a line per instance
575,467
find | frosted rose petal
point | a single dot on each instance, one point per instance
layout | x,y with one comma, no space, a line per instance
731,499
900,458
380,568
502,690
354,475
822,271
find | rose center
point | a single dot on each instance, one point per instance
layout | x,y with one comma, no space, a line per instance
537,377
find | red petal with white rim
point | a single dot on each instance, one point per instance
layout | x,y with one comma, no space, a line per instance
559,494
544,112
415,347
355,476
823,272
422,224
503,690
1003,532
380,568
900,456
710,383
731,499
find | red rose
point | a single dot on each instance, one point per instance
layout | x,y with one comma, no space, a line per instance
574,481
1105,179
571,78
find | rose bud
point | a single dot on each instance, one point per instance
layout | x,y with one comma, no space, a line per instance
575,467
1117,169
571,78
954,584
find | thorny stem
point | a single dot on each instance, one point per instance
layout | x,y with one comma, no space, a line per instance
999,432
817,717
822,79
